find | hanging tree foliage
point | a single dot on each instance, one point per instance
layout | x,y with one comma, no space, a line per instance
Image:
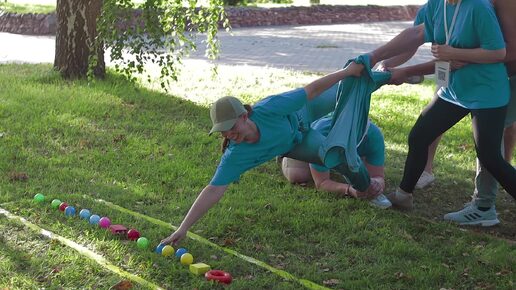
156,32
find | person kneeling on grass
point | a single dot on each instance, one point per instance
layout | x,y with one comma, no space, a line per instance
371,149
255,135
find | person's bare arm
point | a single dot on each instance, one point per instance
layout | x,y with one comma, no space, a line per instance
323,182
470,55
377,174
408,40
505,10
396,60
320,85
208,197
400,75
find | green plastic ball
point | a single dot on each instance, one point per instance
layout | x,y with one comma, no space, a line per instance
39,198
142,243
56,203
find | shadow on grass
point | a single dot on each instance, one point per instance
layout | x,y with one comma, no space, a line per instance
149,152
173,126
145,147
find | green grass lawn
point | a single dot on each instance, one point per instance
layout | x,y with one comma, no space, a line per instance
27,8
33,6
149,152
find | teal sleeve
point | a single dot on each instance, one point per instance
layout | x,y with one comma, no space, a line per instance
429,19
227,171
420,17
323,126
373,148
283,104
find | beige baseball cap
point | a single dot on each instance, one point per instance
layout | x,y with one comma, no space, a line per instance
225,112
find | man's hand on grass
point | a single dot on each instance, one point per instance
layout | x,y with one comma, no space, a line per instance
174,238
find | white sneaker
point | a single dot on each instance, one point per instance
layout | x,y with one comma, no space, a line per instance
471,215
381,201
425,180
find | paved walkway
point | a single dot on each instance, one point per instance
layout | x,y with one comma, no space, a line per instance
316,48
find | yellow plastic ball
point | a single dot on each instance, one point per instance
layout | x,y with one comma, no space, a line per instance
167,251
186,259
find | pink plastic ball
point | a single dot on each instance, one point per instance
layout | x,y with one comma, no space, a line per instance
104,222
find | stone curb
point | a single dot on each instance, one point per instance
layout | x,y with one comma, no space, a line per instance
45,24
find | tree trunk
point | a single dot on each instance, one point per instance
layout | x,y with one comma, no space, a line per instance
75,38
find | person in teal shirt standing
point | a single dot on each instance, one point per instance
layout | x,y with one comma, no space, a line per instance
256,135
469,32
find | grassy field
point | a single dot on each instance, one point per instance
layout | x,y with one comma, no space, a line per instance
149,153
47,6
28,7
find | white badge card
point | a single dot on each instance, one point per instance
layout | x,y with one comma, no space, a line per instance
442,73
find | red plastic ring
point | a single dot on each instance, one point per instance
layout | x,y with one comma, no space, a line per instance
219,276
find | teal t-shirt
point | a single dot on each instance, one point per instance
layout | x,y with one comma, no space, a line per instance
475,86
420,16
372,146
274,116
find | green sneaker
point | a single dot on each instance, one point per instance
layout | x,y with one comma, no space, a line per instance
471,215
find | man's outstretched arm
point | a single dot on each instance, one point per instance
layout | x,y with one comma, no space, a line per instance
408,40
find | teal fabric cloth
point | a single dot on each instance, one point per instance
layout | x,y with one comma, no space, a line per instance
276,118
351,116
474,86
338,150
372,147
308,149
284,123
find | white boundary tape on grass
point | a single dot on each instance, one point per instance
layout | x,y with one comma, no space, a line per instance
82,250
307,283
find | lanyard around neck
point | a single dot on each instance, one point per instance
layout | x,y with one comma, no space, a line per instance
452,25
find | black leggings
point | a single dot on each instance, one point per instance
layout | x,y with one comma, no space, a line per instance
437,118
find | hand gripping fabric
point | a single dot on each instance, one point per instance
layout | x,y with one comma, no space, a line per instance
350,100
349,124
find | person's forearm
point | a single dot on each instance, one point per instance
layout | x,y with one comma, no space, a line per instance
510,56
208,197
478,55
320,85
333,186
505,12
425,68
408,40
399,59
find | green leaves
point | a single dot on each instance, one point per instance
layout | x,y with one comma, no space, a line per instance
157,33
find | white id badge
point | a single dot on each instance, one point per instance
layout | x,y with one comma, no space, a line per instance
442,73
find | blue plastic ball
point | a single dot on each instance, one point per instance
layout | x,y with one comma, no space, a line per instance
180,252
85,214
159,248
70,211
94,219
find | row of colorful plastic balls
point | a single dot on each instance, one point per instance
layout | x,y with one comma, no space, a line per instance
104,222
